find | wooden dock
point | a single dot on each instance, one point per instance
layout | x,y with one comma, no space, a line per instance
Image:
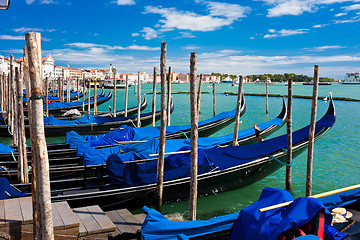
16,221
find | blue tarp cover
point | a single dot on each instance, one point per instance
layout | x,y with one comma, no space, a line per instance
175,166
249,224
253,225
139,133
59,105
341,199
7,190
222,158
5,148
156,226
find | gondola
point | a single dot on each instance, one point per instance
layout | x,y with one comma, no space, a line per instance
220,169
76,166
59,108
249,223
73,96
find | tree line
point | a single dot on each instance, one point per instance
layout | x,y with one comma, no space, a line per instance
277,77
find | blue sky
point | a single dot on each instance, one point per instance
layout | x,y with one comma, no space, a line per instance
237,37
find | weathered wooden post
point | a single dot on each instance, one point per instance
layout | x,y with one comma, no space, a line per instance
63,87
22,152
43,223
114,100
199,94
77,89
1,92
267,96
289,136
13,110
84,95
46,96
89,97
160,165
68,89
238,111
59,88
312,132
138,123
214,99
154,98
126,94
27,81
169,79
95,99
194,133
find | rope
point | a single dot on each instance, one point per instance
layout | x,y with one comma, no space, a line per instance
132,123
35,96
288,165
12,154
184,134
9,127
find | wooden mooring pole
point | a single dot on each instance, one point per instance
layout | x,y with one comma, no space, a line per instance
13,110
83,98
114,100
126,94
138,123
23,176
153,109
213,99
193,138
160,165
238,111
46,90
89,97
169,79
44,223
95,99
77,89
267,96
199,94
289,136
312,132
67,89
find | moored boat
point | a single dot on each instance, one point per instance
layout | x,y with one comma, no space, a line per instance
352,78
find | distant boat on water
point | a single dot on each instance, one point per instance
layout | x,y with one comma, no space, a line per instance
352,78
120,83
320,83
258,81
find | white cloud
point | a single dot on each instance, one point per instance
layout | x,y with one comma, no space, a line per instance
125,2
323,48
191,47
320,25
352,7
219,15
29,1
97,47
24,30
135,34
149,33
185,35
9,37
284,32
340,14
297,7
41,1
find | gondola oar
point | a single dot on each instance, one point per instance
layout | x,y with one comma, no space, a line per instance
320,195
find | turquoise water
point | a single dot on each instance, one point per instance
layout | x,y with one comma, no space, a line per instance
336,155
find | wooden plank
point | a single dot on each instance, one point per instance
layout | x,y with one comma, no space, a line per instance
104,221
131,220
57,221
26,210
68,217
141,217
87,219
120,223
2,214
12,212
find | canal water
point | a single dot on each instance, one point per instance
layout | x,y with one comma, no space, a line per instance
336,155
